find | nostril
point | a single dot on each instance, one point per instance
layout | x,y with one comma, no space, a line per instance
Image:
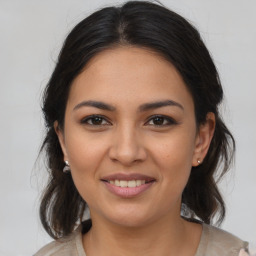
127,154
125,157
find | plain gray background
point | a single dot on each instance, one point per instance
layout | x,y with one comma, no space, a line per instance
32,33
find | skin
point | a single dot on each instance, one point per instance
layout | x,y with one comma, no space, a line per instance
128,139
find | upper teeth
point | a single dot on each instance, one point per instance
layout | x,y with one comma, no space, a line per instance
127,184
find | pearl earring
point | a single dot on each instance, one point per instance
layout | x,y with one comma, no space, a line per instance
66,168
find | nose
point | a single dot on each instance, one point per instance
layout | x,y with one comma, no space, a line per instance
127,146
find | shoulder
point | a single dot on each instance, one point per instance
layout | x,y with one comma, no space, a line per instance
68,246
55,248
215,241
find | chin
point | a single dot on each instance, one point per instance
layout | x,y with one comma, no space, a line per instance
131,218
132,222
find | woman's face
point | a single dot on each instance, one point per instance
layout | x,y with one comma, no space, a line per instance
130,136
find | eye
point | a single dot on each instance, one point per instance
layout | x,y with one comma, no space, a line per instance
95,120
160,120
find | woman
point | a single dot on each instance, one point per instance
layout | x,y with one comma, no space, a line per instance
135,136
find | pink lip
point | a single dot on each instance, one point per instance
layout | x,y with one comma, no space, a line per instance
127,192
131,176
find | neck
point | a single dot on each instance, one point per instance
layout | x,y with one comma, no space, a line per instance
163,237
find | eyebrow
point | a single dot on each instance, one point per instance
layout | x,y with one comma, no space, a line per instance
160,104
95,104
142,108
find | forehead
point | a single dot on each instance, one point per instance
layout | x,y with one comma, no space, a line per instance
129,74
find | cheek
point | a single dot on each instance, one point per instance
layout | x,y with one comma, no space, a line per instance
84,157
178,149
174,158
85,154
84,149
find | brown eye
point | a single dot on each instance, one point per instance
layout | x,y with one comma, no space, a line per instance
95,120
161,121
158,120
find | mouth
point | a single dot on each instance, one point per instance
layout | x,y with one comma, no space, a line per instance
128,185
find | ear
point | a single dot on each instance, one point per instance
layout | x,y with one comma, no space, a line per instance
60,135
203,139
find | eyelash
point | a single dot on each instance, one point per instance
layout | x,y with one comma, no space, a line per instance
170,121
93,117
167,121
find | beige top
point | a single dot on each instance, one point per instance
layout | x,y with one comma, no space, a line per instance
213,242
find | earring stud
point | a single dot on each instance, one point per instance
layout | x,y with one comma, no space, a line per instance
66,168
198,161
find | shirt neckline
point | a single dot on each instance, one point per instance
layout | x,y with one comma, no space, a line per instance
201,249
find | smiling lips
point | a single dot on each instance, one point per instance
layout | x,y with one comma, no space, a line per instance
128,185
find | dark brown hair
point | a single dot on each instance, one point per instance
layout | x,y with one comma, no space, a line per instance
152,26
